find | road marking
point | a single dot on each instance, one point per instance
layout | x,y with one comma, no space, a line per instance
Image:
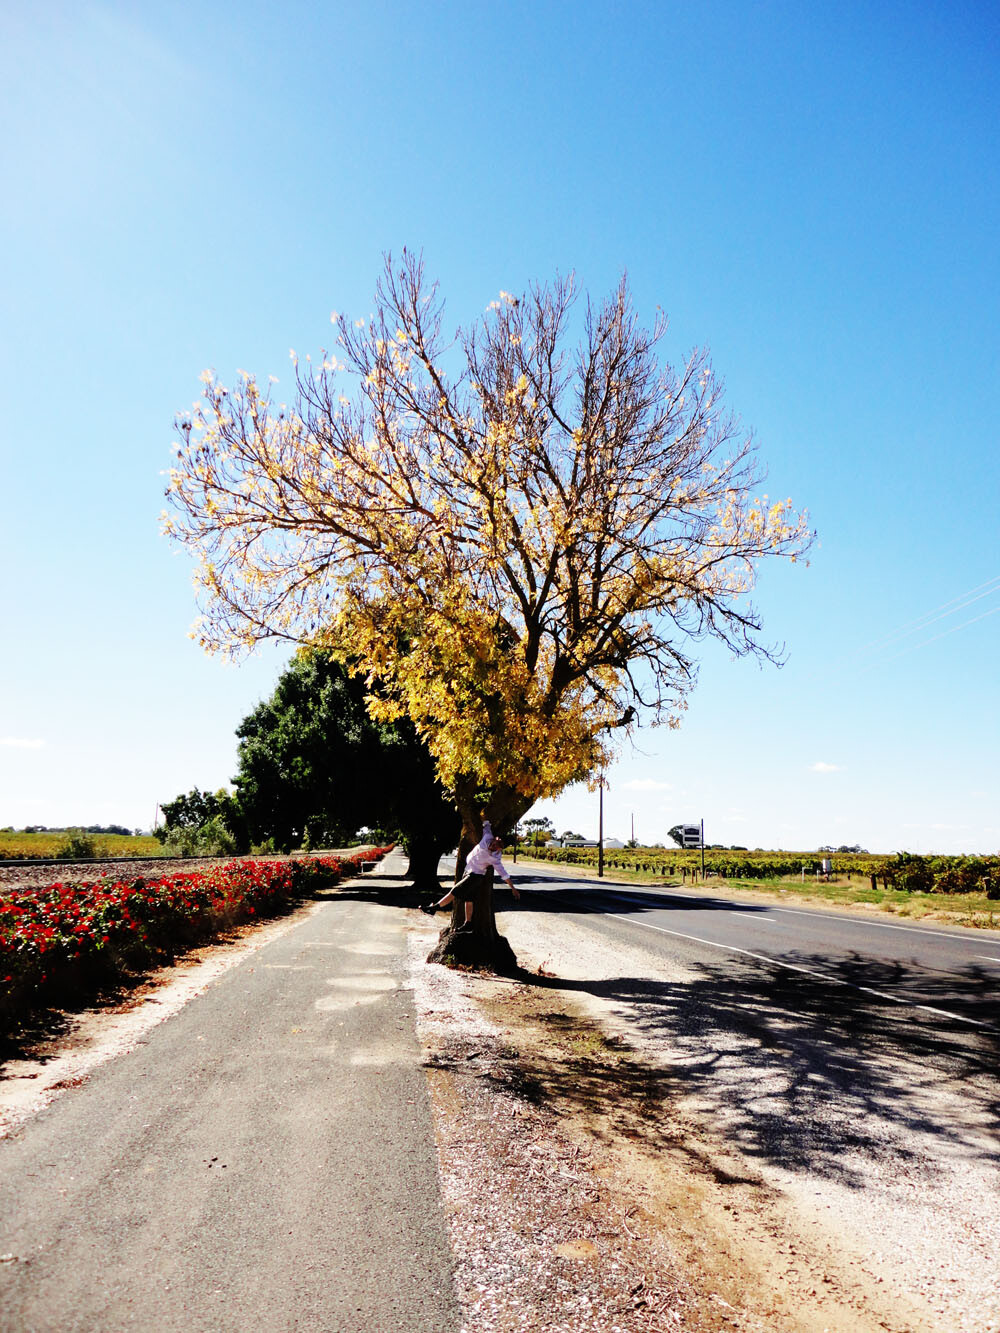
884,925
791,911
809,972
758,916
986,958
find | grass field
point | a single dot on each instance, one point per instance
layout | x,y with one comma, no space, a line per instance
967,909
46,846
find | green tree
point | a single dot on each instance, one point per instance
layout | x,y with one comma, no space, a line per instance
314,768
202,823
538,831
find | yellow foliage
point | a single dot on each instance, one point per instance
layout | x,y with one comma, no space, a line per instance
515,555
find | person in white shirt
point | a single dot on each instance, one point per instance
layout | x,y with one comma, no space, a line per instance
486,854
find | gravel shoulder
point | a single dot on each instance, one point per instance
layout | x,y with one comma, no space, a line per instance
595,1181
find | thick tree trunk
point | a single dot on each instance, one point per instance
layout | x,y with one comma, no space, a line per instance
483,946
424,856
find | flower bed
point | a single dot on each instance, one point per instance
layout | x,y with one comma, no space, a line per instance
58,940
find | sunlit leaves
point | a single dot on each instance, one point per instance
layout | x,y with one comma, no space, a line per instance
517,532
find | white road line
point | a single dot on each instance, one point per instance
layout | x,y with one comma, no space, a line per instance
758,916
809,972
884,925
803,911
986,958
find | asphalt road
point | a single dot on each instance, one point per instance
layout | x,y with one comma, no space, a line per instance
263,1160
951,975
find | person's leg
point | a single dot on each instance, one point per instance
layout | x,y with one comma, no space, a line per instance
431,908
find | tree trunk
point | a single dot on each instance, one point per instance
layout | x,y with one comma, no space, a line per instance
424,854
482,947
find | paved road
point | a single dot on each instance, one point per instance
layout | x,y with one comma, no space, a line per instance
951,973
264,1160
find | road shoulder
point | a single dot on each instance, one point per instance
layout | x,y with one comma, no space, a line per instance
582,1198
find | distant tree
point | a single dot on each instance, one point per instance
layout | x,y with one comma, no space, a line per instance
201,823
677,834
538,831
314,767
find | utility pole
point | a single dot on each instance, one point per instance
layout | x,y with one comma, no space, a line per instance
633,827
703,851
600,828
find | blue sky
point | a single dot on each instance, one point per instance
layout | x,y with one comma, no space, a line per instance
810,191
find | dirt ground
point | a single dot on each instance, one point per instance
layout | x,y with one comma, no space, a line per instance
751,1264
607,1211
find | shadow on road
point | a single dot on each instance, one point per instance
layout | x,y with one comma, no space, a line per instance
805,1072
540,893
797,1071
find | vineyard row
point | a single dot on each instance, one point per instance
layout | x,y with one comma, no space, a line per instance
904,870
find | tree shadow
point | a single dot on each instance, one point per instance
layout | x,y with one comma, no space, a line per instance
392,890
792,1070
626,897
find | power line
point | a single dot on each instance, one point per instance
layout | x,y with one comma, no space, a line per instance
911,648
949,608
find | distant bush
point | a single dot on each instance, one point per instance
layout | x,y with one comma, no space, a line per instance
79,846
212,838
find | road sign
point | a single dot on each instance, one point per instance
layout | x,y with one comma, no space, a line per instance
691,834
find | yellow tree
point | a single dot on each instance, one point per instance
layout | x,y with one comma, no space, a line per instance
516,532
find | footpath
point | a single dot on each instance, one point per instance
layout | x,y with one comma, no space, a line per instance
262,1160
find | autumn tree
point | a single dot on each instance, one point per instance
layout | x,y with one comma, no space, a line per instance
517,532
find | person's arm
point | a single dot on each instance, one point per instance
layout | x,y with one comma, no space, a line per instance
501,870
487,837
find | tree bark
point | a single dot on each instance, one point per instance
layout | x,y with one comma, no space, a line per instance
482,947
424,854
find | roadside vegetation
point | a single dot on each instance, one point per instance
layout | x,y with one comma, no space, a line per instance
962,888
61,942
